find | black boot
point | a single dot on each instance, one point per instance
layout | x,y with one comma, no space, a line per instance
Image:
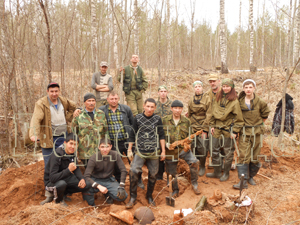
194,177
161,170
242,169
133,189
253,170
216,174
150,189
202,166
227,167
49,197
140,182
175,188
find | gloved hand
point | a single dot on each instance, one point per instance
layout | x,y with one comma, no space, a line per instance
121,192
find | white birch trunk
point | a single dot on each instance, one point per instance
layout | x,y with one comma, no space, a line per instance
94,36
239,37
296,37
252,67
263,37
136,28
223,43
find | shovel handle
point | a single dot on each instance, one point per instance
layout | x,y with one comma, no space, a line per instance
170,186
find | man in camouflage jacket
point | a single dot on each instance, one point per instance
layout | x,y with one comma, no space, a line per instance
177,127
163,109
90,126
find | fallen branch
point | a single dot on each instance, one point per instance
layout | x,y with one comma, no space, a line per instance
34,193
264,176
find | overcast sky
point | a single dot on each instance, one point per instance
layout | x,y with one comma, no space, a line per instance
209,10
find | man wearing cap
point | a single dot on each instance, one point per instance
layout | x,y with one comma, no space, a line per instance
90,127
163,109
214,83
176,128
134,84
49,121
102,84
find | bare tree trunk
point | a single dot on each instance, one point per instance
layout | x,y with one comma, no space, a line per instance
239,37
192,32
223,41
252,67
178,37
159,44
296,36
288,38
48,42
169,53
263,37
94,36
136,28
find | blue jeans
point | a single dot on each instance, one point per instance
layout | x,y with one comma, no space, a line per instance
57,141
112,186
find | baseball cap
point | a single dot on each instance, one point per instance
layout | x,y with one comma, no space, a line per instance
52,84
213,77
103,63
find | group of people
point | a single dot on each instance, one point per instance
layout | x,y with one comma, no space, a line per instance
104,131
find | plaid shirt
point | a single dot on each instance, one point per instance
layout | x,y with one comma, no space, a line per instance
115,125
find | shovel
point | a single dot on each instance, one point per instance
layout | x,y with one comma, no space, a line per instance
169,199
242,184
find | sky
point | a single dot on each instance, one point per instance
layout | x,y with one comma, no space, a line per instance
209,10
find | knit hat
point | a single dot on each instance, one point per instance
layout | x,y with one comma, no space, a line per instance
228,82
197,82
88,96
250,80
162,87
176,103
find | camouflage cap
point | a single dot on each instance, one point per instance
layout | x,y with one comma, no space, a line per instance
197,82
162,87
213,77
103,63
228,82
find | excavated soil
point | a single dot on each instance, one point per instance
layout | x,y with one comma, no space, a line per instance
276,200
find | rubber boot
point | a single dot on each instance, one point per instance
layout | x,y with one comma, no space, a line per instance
175,188
161,170
216,174
150,189
194,177
140,182
49,197
242,169
227,167
133,189
202,166
253,170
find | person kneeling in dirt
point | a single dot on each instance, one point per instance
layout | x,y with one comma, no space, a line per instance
255,112
176,128
100,171
62,176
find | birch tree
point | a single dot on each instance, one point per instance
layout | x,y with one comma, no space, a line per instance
223,41
136,28
296,36
94,36
239,37
263,36
252,67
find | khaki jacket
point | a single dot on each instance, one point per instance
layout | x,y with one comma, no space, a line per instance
226,114
40,124
254,117
200,114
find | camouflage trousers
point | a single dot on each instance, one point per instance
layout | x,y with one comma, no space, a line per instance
101,103
249,149
135,101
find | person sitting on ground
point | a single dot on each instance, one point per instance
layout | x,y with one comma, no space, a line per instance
100,171
62,176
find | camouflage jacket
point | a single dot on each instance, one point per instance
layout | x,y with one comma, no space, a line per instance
163,109
175,133
89,132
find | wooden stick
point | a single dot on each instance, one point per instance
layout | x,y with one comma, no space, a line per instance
264,176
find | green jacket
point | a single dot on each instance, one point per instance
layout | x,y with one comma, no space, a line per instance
226,114
89,132
175,133
163,109
254,117
211,95
200,114
133,81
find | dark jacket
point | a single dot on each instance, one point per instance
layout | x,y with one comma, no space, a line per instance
57,167
127,116
289,122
